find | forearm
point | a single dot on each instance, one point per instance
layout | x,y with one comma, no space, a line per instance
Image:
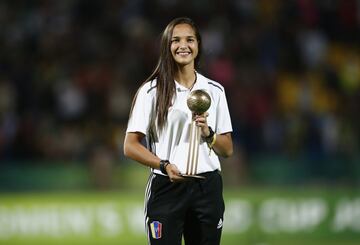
223,145
136,151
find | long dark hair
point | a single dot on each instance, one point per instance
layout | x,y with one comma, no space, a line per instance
165,69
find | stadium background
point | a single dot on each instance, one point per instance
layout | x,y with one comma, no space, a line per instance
69,69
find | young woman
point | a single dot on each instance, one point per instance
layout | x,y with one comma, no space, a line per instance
175,206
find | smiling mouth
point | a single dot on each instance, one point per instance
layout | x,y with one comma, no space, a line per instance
182,53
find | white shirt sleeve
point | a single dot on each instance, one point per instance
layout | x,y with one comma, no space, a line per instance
141,113
223,119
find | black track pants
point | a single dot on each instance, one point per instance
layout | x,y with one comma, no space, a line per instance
192,209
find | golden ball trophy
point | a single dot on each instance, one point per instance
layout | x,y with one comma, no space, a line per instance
198,102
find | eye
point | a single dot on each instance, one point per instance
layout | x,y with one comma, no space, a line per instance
175,40
191,40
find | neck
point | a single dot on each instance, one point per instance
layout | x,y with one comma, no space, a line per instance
186,77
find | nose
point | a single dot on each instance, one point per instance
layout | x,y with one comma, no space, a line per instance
183,44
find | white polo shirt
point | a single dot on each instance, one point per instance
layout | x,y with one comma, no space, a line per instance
172,142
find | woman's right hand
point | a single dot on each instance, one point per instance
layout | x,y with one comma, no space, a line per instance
174,173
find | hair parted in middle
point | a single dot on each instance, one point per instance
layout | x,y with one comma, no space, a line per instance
166,68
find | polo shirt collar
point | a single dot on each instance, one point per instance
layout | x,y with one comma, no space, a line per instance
200,83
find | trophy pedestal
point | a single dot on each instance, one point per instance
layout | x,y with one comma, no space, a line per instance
198,102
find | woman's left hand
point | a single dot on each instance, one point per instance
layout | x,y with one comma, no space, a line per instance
202,123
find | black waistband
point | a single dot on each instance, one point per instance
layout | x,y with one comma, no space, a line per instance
205,174
209,173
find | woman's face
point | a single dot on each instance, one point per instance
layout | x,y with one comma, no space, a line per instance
184,45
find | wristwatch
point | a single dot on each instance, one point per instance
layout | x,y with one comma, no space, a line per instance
163,164
209,138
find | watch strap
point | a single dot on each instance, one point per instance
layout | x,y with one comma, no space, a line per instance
163,164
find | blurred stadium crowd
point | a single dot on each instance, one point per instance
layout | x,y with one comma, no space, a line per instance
69,70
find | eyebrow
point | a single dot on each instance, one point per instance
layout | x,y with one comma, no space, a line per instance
181,36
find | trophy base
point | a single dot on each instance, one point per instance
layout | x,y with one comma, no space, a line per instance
192,176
